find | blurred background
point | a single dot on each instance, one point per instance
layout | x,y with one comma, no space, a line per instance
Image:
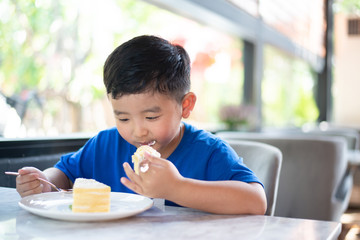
255,64
273,66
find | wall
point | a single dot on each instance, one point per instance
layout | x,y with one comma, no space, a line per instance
346,88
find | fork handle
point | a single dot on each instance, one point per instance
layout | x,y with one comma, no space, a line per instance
39,178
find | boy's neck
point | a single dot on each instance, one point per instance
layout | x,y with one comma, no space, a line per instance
173,145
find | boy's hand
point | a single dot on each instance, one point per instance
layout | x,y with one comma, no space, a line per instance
27,183
159,181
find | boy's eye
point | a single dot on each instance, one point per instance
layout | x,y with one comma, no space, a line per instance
152,118
123,119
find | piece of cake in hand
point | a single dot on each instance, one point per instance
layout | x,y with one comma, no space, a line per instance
90,196
139,156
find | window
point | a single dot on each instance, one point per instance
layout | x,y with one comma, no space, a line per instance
354,27
52,54
287,91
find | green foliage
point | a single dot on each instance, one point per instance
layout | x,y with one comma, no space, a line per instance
287,91
349,6
305,109
24,31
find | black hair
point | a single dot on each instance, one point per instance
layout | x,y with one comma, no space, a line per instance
147,63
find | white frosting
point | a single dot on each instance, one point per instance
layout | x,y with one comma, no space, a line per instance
88,183
139,156
140,152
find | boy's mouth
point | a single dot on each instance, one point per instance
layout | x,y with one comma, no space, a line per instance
151,143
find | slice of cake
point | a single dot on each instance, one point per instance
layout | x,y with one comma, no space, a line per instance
139,156
90,196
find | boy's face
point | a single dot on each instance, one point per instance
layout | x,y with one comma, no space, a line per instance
149,119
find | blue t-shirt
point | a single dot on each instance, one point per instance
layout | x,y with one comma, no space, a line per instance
200,155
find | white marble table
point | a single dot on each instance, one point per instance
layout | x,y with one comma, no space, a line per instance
159,222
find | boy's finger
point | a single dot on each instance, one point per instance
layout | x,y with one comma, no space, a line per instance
154,160
134,179
27,192
26,170
131,174
127,183
30,177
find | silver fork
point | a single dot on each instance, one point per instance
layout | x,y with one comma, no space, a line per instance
43,180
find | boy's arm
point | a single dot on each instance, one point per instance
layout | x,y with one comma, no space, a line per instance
28,184
222,197
162,180
58,178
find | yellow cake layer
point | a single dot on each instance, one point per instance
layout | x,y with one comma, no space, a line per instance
90,196
90,190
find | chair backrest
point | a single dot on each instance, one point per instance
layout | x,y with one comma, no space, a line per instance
265,161
314,181
351,137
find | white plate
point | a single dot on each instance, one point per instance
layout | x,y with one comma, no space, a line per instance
56,205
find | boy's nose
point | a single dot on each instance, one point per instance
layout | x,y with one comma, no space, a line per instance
140,131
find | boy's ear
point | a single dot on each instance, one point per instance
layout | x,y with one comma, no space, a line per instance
188,104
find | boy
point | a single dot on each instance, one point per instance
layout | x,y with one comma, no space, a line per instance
148,84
